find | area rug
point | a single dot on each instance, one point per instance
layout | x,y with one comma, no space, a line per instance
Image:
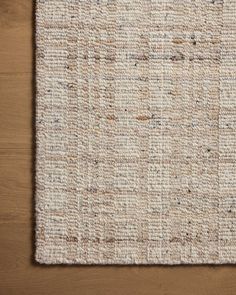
136,131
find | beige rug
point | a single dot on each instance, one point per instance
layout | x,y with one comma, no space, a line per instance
136,131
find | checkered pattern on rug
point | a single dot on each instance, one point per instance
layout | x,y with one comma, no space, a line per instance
136,131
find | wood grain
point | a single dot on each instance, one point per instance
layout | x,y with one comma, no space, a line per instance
19,275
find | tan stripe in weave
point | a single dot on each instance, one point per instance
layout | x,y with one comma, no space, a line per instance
136,131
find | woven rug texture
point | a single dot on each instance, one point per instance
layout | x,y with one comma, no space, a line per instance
136,131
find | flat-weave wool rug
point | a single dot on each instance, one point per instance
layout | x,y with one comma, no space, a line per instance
136,131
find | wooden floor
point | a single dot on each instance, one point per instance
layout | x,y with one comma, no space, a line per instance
19,274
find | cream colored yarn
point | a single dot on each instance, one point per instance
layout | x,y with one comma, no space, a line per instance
136,131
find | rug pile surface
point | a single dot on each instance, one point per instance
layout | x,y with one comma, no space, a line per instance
136,131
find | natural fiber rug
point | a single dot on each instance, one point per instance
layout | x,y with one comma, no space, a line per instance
136,131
